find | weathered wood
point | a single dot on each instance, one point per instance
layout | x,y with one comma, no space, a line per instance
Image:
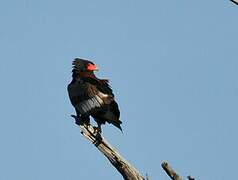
128,171
170,172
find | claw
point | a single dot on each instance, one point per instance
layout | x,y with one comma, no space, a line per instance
97,133
97,130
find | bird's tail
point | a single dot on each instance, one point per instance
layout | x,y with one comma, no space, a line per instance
111,118
117,124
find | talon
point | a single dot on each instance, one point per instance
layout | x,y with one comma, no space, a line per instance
97,130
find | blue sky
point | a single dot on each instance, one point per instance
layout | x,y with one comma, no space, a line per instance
173,67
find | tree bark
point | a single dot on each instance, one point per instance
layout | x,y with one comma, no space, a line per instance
170,172
128,171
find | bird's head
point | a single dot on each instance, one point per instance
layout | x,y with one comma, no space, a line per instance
83,67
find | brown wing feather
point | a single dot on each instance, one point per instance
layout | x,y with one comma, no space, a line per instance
93,97
86,98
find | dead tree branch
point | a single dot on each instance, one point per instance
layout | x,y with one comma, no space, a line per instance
128,171
170,172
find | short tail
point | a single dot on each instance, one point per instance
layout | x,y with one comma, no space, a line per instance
117,124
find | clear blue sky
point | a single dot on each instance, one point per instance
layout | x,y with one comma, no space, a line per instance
173,66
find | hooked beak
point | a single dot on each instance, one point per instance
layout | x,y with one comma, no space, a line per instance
92,67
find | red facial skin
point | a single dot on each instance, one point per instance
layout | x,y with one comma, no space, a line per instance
92,67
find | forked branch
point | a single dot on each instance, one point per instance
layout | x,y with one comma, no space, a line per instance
128,171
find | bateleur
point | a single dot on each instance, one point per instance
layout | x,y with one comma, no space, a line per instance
91,96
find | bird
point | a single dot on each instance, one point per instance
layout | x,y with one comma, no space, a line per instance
91,96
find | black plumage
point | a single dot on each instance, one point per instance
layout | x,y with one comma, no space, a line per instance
91,96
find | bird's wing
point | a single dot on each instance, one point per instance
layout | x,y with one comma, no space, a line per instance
112,113
115,109
104,87
88,98
101,84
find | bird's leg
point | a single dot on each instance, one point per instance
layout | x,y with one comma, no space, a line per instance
85,120
98,130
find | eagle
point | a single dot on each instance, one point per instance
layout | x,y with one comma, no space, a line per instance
91,96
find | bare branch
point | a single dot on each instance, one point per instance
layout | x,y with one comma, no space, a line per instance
170,172
128,171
